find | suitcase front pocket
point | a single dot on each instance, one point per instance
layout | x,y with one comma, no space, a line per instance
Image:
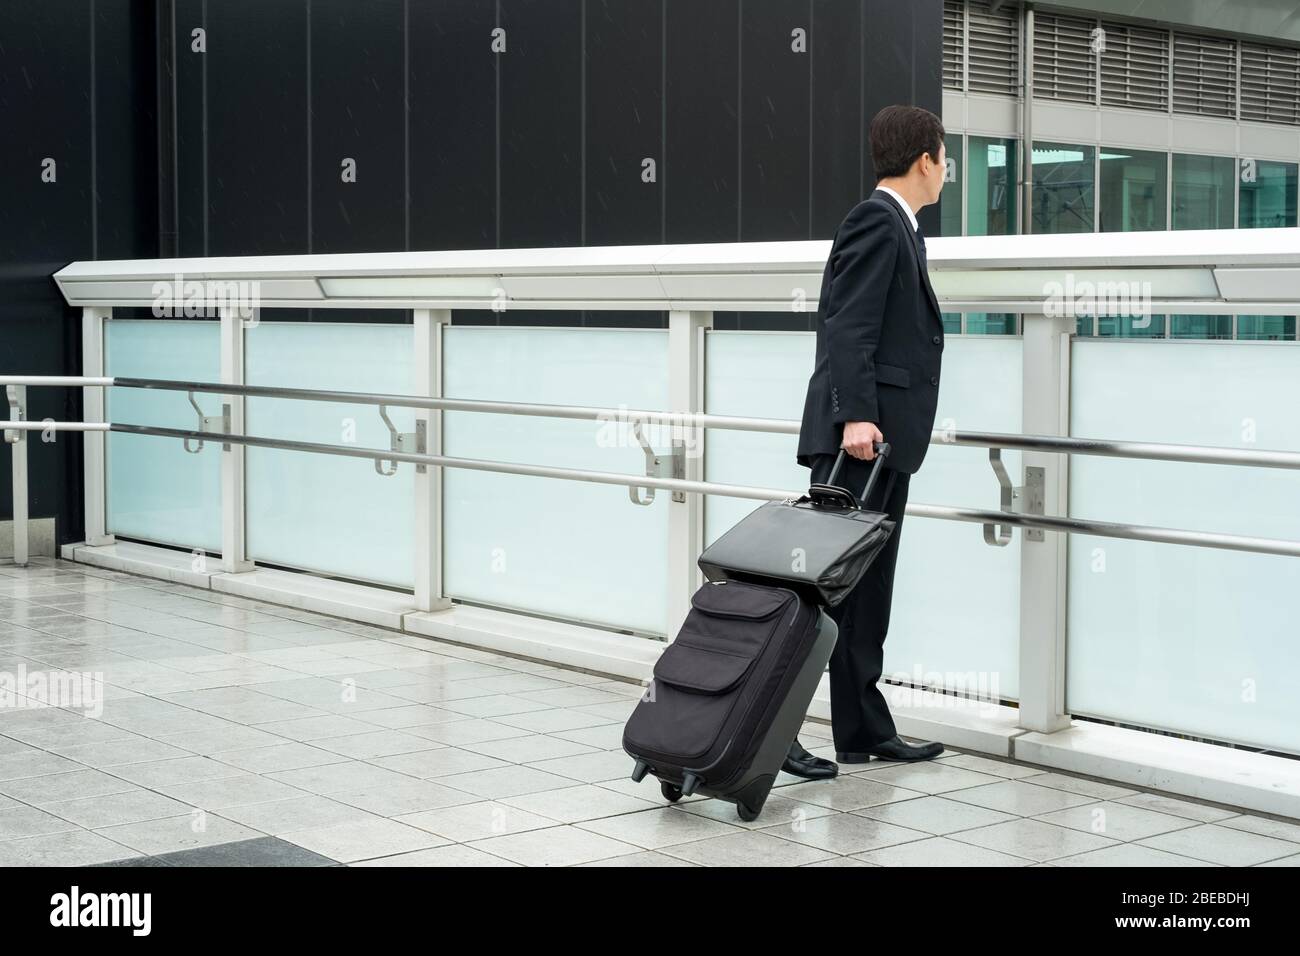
701,670
702,677
692,696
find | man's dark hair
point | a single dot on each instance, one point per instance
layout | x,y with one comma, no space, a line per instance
899,135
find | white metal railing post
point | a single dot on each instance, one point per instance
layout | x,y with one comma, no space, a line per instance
686,333
17,440
1044,554
429,325
234,550
93,402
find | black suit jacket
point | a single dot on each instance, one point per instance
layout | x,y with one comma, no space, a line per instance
879,338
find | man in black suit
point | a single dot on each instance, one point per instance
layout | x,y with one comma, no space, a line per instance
876,378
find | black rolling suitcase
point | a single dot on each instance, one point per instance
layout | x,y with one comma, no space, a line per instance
729,694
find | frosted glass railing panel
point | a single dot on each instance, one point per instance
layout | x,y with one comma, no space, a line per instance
324,513
1186,639
156,490
944,568
754,375
565,549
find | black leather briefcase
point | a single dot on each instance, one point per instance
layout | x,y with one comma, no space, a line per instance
819,544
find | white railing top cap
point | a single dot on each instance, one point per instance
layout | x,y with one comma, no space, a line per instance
720,275
1193,247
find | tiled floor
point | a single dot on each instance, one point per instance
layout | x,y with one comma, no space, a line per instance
235,732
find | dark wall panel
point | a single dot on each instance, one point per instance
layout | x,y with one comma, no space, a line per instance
702,150
256,65
775,183
453,125
624,123
126,222
358,112
835,131
190,178
72,89
541,123
540,111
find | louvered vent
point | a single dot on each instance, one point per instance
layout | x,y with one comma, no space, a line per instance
1205,75
1135,68
953,40
1270,84
993,49
1065,67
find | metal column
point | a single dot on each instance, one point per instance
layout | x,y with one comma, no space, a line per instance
429,325
94,473
686,333
17,440
1043,562
234,549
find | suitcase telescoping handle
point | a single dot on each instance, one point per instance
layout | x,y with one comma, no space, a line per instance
882,451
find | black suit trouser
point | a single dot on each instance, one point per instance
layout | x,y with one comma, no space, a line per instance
860,717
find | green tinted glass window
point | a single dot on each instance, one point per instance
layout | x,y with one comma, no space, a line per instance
1203,192
1266,327
1133,190
1063,188
950,199
1268,194
1200,326
991,187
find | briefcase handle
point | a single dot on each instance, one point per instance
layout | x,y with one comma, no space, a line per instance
881,449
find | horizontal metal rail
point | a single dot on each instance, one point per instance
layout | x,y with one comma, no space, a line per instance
39,426
1204,539
1151,451
54,380
580,412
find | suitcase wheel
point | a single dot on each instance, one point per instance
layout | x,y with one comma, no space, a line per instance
672,793
750,800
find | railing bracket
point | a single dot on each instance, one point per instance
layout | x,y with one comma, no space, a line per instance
17,396
1028,499
406,442
999,536
216,424
1033,499
672,465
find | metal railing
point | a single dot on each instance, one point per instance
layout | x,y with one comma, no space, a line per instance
1017,508
1211,271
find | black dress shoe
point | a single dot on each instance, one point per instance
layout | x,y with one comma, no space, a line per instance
893,749
803,764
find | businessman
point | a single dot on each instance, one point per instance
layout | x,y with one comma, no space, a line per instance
876,378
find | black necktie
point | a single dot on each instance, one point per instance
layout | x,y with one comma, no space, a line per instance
920,241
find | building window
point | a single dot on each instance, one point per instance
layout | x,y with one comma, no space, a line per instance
1203,192
1132,326
1279,327
1200,327
1063,188
991,323
1133,184
1268,194
950,199
991,187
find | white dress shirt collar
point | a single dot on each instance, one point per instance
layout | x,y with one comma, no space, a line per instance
911,216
